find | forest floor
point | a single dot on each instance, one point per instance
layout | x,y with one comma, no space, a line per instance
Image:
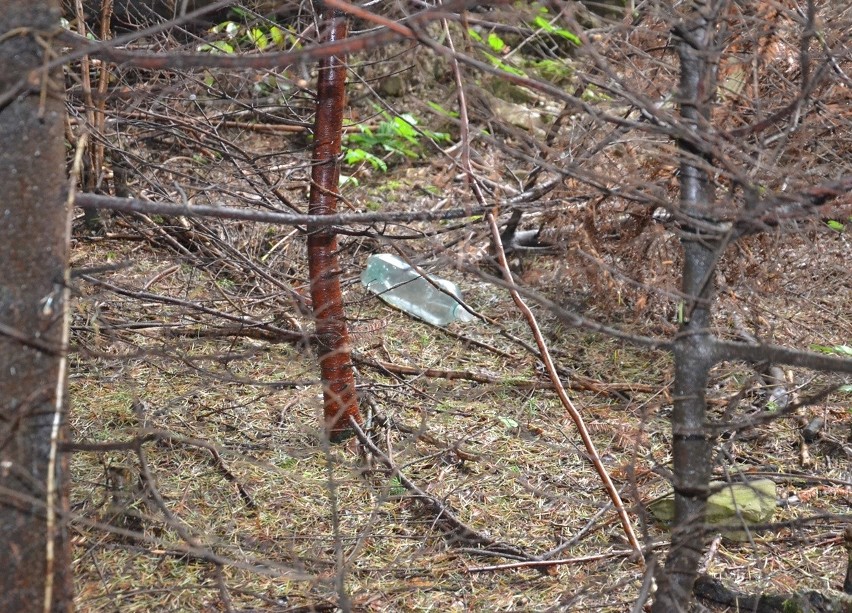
225,497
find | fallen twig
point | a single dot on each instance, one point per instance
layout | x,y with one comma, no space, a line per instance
577,383
549,563
454,529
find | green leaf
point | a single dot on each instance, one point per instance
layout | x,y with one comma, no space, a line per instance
498,63
496,43
217,46
258,38
347,180
396,487
844,350
439,109
397,135
277,36
230,28
543,24
356,156
474,35
835,225
507,422
404,127
400,148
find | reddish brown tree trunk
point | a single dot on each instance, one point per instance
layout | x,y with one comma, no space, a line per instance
340,400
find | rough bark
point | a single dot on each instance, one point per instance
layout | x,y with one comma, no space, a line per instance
693,348
34,226
339,397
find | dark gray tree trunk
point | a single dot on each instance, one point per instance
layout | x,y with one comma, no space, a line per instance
694,347
34,226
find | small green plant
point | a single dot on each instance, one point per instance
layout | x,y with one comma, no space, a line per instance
843,350
396,136
838,226
241,37
508,422
442,111
498,45
558,72
543,23
355,156
396,487
347,181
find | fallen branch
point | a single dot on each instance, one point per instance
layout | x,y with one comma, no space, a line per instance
546,564
578,383
454,529
713,590
136,205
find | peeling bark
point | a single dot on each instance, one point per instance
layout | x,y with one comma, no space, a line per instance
339,397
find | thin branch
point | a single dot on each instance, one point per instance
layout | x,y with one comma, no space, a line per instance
281,333
530,317
157,61
728,350
454,528
579,383
135,205
547,564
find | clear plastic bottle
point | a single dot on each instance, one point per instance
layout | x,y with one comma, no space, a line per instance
401,286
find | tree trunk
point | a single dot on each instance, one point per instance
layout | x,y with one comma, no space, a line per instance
340,400
694,347
34,227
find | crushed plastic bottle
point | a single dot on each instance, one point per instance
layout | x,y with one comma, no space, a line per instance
401,286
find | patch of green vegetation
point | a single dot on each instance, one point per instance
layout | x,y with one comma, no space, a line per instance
441,110
357,156
843,350
397,137
558,72
498,45
393,185
508,422
508,91
544,24
533,406
237,36
396,487
286,463
837,226
593,94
